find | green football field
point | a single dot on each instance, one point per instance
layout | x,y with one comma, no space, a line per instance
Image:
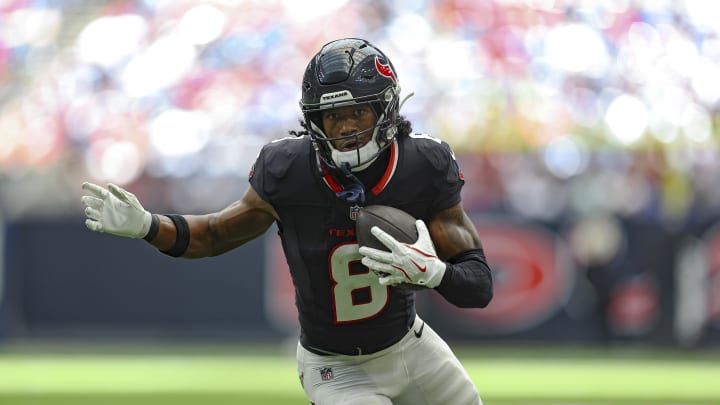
267,376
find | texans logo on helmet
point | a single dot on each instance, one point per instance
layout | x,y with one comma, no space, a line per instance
385,70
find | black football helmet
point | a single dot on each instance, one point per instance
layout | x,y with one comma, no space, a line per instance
347,72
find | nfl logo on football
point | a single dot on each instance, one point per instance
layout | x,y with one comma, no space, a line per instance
326,373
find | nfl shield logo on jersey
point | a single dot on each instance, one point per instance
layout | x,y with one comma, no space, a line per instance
326,373
354,212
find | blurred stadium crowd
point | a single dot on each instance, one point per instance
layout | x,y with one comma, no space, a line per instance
554,107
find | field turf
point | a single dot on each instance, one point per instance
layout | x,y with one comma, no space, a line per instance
266,376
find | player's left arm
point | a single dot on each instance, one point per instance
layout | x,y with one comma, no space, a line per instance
453,232
447,256
467,281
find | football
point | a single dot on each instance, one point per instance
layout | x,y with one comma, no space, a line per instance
398,223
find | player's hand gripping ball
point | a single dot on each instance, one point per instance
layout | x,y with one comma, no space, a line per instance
397,247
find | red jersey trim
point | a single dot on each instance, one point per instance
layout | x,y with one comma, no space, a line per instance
334,186
389,171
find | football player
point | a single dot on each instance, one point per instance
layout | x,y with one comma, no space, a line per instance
361,341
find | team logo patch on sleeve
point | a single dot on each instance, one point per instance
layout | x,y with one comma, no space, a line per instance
326,373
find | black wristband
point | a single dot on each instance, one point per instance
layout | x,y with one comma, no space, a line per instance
182,236
154,228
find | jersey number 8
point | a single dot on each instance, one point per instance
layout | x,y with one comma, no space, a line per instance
347,282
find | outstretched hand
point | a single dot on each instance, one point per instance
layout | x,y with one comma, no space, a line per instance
115,210
405,263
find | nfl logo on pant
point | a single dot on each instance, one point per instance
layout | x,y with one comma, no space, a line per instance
326,373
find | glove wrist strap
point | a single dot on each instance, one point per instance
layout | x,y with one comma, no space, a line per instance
154,228
438,276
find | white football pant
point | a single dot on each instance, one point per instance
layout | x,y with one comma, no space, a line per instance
414,371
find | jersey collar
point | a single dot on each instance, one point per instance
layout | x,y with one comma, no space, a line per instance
381,184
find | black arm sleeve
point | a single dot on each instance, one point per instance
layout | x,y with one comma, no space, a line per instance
467,282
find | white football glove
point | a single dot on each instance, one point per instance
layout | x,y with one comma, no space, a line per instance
416,264
116,211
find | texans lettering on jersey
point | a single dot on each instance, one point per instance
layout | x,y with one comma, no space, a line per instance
342,307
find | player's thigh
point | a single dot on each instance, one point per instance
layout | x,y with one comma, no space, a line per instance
345,392
367,399
327,381
436,375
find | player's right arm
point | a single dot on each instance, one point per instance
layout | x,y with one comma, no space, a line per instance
118,212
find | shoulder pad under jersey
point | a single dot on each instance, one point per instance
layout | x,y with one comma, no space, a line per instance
280,154
435,150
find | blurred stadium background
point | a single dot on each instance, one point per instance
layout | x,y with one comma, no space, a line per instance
588,132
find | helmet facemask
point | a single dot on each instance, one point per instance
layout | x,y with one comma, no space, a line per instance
383,132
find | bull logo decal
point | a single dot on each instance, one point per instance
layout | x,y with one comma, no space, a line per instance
385,70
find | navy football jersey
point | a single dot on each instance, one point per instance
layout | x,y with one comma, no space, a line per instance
342,308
